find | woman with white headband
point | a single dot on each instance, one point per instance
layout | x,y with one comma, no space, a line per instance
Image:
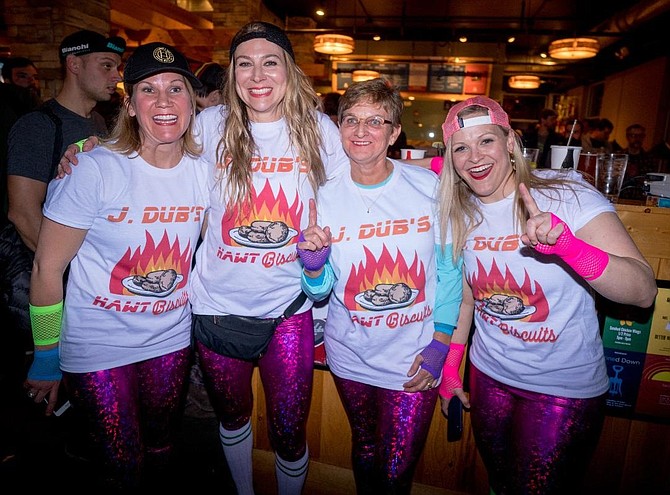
537,246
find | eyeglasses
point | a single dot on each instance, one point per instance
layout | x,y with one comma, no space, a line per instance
376,122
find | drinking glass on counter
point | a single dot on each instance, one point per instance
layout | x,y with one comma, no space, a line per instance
587,166
610,171
530,155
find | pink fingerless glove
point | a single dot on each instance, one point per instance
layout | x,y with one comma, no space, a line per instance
451,377
436,164
313,260
586,260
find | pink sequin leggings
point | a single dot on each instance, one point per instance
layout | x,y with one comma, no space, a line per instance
132,412
389,430
533,444
286,371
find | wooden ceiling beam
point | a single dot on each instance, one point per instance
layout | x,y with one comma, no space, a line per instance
157,13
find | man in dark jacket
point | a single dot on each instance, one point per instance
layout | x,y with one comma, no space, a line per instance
543,135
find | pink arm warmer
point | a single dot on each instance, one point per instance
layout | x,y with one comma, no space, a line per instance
436,164
586,260
451,378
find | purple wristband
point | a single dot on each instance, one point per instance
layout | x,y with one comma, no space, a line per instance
313,260
434,356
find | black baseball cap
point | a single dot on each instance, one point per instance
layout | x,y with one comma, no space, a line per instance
85,41
156,58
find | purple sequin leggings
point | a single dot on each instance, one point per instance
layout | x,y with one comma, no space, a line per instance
286,371
531,443
131,412
389,430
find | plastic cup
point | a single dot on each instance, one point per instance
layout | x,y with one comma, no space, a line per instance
530,155
587,166
560,157
610,171
411,153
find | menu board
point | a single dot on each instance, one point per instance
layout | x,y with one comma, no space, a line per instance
398,74
637,350
457,79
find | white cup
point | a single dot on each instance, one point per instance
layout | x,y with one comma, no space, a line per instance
559,154
411,153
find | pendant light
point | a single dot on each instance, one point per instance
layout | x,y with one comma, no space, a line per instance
574,48
334,44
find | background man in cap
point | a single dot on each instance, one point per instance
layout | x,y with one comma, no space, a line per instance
36,141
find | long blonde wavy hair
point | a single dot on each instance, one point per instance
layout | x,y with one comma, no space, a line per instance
458,204
236,147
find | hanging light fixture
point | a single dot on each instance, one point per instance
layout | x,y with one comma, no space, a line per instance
524,82
364,75
334,44
574,48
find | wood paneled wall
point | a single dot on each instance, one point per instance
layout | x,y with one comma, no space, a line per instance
632,457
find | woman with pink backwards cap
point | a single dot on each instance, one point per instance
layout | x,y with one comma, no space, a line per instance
536,246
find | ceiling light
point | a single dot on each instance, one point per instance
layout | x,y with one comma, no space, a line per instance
574,48
511,39
463,39
320,12
524,82
334,44
376,37
364,75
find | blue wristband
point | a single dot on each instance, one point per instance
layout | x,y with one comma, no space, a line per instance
46,365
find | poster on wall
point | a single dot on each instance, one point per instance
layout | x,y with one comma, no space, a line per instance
418,77
476,79
637,351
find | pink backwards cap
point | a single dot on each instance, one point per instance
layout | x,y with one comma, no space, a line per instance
455,123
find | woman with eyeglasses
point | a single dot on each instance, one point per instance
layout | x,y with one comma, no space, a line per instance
395,292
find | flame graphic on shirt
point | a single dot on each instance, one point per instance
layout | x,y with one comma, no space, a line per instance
152,257
486,284
385,270
265,206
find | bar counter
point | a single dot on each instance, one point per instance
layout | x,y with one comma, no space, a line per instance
632,457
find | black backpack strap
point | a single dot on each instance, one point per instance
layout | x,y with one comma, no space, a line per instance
46,109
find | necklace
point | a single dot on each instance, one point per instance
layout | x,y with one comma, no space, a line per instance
360,188
368,204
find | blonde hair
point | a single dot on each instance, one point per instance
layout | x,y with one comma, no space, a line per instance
459,205
236,148
125,137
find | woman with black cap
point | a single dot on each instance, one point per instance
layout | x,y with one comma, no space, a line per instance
270,150
127,224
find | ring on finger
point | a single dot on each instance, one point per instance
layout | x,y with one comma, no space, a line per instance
31,394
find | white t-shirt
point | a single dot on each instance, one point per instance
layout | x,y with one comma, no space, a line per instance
140,219
249,267
380,313
536,323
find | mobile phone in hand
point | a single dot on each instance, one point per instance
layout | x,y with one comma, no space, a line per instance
454,419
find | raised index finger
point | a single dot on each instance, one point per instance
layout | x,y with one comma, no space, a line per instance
528,200
312,213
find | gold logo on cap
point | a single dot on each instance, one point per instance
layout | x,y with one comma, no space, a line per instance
163,55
